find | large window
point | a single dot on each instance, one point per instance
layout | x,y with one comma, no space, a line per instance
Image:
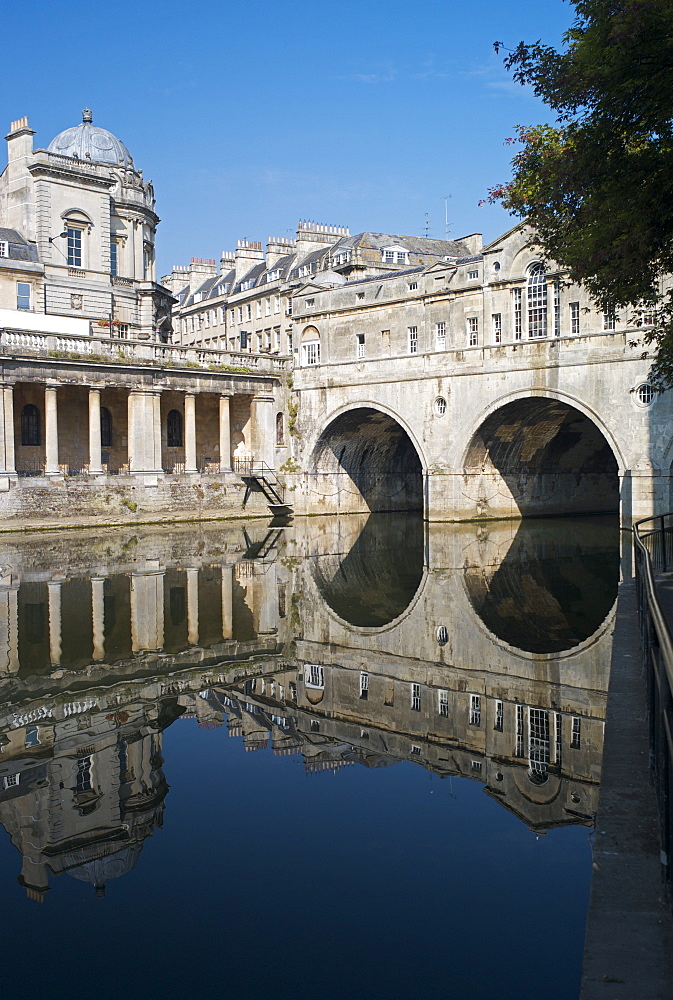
412,332
74,247
310,353
30,425
537,301
22,295
174,429
113,259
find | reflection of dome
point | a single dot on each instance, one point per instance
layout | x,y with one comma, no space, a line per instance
101,870
377,580
555,586
88,141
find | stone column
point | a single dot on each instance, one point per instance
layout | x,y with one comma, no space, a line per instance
54,587
190,432
98,617
9,628
225,434
227,601
51,431
263,431
95,466
144,432
147,611
193,606
7,460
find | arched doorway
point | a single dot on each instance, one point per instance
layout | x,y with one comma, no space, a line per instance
365,460
538,456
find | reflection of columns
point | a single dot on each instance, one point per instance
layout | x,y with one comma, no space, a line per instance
94,432
190,432
267,598
227,601
225,434
9,628
50,430
193,606
98,616
54,622
7,432
147,611
263,430
144,425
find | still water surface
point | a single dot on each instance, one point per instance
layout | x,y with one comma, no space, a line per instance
352,758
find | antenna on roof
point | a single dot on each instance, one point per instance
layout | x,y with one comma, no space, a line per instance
446,215
427,225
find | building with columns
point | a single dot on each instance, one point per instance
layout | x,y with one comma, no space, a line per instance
102,415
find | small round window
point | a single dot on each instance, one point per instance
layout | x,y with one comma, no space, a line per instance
645,394
442,634
440,406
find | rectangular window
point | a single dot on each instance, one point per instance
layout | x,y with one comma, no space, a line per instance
557,308
473,331
364,686
576,738
476,766
289,343
517,304
314,675
113,259
233,315
360,345
575,319
258,308
83,779
518,752
413,339
22,295
472,275
11,780
415,750
207,318
610,320
276,303
440,333
401,258
223,311
390,256
4,248
443,702
498,716
248,311
415,697
267,307
74,247
413,285
559,735
276,338
360,296
311,353
32,736
240,314
475,709
496,321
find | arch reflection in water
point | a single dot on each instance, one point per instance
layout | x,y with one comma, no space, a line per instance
300,675
554,587
373,581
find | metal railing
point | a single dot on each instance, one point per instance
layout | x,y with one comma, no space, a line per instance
653,542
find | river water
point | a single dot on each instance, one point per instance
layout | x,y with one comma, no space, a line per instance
348,758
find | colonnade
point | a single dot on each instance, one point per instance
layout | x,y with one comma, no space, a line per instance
144,431
147,610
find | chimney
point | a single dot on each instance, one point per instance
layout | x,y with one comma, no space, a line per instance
277,247
248,253
473,242
314,236
227,262
20,205
200,269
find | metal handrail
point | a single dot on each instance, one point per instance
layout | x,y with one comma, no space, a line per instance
646,579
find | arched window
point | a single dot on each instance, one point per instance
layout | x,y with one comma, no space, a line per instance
537,301
174,429
30,425
280,429
105,427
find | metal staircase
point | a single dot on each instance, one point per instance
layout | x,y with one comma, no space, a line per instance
261,478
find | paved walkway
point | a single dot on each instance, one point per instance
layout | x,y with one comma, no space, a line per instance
628,951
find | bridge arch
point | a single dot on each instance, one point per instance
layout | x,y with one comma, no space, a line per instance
541,453
367,459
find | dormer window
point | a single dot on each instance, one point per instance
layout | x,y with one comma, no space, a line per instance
273,275
395,255
4,248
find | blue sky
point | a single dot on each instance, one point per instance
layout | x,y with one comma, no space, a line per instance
248,117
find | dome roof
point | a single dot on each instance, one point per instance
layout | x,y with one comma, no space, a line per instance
88,141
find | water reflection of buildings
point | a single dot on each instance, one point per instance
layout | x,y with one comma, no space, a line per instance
474,652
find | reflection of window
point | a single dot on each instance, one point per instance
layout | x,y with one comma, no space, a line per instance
443,698
32,736
178,605
83,779
314,675
11,780
576,738
174,429
475,710
35,622
519,731
282,600
364,685
498,716
105,427
538,744
415,697
30,425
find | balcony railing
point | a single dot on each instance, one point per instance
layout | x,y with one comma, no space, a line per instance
103,348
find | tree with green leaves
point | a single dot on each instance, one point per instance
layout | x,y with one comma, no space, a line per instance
597,185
